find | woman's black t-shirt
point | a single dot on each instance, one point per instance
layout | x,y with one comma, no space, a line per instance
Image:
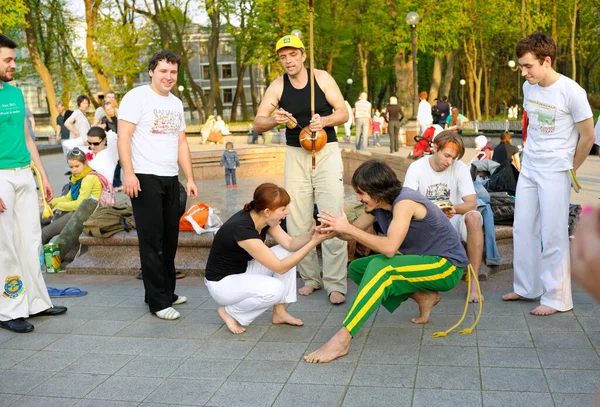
226,256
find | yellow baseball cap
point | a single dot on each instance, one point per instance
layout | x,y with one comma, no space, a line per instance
289,41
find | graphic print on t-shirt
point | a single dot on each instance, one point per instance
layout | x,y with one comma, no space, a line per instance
542,117
8,112
438,192
166,122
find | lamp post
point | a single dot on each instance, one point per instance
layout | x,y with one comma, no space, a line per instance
348,87
515,68
412,19
462,97
180,88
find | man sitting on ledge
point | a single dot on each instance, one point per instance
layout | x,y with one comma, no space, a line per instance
432,257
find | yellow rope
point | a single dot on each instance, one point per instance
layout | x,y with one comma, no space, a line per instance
470,330
470,272
48,213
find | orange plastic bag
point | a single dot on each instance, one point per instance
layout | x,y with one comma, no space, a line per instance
194,218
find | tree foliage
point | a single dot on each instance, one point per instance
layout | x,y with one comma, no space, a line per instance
366,41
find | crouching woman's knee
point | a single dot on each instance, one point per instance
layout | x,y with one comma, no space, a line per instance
273,292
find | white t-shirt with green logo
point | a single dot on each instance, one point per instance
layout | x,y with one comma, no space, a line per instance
552,135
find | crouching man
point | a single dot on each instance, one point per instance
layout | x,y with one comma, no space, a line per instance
421,253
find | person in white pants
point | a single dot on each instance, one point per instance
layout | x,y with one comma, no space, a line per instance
243,275
560,136
23,292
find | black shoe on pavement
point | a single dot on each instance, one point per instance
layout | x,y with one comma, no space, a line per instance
57,310
140,276
18,325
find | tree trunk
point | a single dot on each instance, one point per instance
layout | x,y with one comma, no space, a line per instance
239,89
573,34
474,72
436,78
486,81
214,14
40,67
523,24
330,63
77,68
364,61
554,20
91,16
403,74
253,91
381,95
449,75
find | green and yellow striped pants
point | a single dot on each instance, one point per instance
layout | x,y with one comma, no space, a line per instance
390,281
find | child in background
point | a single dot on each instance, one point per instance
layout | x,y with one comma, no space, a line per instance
230,161
81,188
376,125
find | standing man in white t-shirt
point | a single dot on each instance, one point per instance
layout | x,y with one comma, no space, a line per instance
424,115
151,144
446,180
362,116
560,136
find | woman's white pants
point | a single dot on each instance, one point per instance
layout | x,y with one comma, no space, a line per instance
246,296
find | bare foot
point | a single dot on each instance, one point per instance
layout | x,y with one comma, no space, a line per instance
475,297
336,347
306,290
336,297
230,321
543,310
281,316
426,301
511,297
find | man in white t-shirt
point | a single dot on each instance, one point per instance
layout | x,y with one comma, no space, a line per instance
151,144
362,115
446,180
424,115
560,136
109,97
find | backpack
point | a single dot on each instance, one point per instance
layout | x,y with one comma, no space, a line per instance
108,220
107,197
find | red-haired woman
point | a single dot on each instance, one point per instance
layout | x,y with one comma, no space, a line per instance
245,276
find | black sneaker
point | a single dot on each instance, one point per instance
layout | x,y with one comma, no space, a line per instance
18,325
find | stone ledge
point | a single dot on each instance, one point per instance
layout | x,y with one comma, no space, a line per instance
253,162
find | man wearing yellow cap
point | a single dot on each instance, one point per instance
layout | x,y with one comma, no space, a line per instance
323,185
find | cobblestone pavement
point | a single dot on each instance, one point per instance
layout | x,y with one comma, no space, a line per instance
108,350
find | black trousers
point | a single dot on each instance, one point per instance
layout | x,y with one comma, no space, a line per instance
156,213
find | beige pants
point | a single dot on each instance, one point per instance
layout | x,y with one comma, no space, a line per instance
22,287
325,187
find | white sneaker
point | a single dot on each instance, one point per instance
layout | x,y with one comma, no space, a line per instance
168,313
180,300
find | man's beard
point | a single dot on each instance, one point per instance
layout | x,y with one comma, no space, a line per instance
5,78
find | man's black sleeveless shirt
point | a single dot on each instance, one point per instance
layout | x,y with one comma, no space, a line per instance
297,102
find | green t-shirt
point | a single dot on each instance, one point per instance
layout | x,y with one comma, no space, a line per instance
13,150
